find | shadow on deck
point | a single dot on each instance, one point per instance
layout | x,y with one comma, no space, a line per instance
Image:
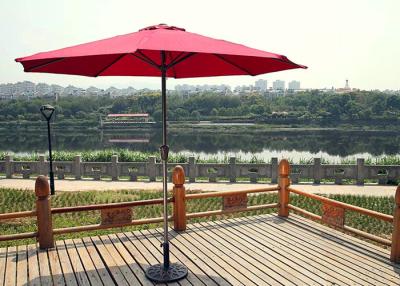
257,250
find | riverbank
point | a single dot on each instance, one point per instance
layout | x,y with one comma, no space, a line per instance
90,185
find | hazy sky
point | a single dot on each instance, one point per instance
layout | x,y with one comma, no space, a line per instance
358,40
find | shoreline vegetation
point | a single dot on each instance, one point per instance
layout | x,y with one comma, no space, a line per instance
125,155
364,110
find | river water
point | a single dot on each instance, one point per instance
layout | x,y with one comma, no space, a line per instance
295,144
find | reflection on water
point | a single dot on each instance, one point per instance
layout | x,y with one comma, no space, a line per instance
292,144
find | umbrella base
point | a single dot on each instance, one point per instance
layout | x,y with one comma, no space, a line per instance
175,272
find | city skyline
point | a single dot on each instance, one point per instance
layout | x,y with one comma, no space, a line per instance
337,40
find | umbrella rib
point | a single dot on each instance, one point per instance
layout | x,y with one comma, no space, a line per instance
109,65
233,64
177,61
145,58
45,64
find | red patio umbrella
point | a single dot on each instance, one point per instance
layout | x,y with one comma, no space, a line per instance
161,51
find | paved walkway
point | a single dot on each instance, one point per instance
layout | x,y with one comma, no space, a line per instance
90,185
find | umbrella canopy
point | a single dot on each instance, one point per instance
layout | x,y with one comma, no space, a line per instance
138,54
161,51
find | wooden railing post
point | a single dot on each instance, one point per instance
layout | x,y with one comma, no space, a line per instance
395,251
43,211
284,182
179,193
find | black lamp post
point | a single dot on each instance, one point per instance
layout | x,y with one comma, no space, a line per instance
47,112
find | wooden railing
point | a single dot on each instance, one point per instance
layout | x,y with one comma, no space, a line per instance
333,212
120,214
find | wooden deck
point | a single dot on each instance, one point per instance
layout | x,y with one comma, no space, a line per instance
261,250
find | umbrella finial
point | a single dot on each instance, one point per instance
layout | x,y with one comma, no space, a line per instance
162,26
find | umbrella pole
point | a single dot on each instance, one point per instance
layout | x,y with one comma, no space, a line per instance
165,272
164,157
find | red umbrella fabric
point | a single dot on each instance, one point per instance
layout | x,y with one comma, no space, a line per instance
191,55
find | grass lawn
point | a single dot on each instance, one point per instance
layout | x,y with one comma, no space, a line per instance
21,200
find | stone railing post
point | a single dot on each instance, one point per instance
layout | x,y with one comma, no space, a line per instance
232,169
284,183
395,251
9,166
42,165
179,193
151,168
43,213
77,167
317,171
274,170
192,169
114,168
360,171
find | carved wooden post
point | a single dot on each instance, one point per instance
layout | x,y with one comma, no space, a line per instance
395,251
284,183
179,193
43,212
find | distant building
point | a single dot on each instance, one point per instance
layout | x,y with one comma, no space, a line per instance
261,85
345,89
294,85
278,85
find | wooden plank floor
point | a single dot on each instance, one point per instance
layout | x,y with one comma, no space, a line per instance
258,250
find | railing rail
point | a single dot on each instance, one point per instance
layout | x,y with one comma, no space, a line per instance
378,215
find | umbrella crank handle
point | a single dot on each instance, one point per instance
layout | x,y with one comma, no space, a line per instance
164,150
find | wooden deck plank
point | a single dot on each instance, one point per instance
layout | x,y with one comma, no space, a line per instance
110,263
258,264
46,277
94,256
311,269
276,263
3,261
347,246
156,242
271,232
220,266
65,262
129,259
11,267
133,251
320,247
185,260
86,262
119,261
76,264
22,265
224,253
55,267
33,265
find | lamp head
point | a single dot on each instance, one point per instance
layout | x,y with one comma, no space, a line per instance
47,111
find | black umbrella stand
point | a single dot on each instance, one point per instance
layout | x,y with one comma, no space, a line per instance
166,271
